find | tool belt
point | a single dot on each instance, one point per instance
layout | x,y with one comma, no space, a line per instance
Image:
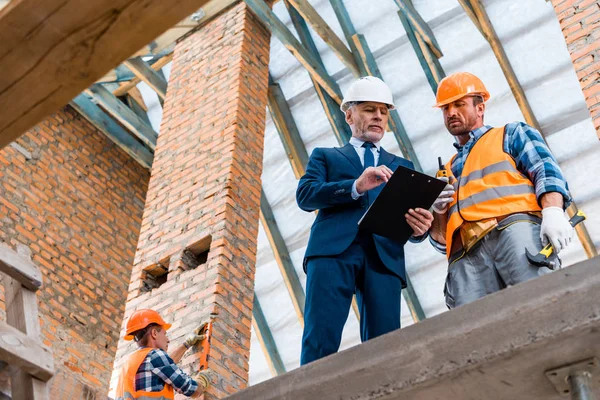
470,233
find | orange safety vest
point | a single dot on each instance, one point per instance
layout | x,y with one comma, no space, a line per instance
490,186
126,386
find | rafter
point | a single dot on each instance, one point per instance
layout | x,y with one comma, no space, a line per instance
278,28
112,130
123,114
317,22
265,338
282,256
152,78
70,44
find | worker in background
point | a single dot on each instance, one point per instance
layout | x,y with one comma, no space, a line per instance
340,260
152,373
508,194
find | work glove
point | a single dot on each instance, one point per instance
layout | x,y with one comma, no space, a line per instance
556,229
196,336
203,378
440,205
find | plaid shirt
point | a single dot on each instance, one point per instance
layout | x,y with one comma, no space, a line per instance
531,154
157,369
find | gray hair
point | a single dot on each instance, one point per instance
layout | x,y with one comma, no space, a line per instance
351,104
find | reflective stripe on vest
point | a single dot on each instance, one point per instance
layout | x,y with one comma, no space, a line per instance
126,385
490,186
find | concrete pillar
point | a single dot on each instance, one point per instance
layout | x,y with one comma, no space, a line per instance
203,198
580,23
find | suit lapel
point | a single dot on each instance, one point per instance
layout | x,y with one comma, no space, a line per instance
385,158
349,152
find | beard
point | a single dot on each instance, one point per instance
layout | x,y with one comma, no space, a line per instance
463,127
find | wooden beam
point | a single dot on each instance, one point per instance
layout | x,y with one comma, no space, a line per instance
287,129
22,313
490,35
282,256
22,351
124,115
349,31
466,5
429,63
336,119
265,338
112,130
420,26
120,74
20,268
142,70
126,87
326,33
278,28
52,50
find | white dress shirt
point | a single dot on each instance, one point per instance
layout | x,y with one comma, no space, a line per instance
357,144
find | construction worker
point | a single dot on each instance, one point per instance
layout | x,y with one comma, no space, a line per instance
152,373
340,260
507,194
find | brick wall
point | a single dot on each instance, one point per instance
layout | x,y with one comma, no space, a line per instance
580,23
75,200
204,195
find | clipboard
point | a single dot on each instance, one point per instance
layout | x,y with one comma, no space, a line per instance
406,189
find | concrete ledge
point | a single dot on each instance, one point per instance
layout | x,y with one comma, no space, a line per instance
495,348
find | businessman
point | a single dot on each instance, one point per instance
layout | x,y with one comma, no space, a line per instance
340,259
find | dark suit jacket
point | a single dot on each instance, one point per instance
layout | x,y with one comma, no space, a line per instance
327,186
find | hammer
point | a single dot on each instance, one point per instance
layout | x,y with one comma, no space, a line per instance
542,259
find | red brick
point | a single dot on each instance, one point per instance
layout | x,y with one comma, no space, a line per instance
208,161
55,205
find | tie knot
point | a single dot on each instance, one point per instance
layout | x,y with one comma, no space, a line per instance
368,145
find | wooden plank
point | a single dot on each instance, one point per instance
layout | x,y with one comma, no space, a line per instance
54,49
336,119
265,338
112,130
287,129
420,26
142,70
126,87
22,351
466,5
22,313
282,256
321,27
136,95
20,268
278,28
120,74
490,35
430,65
124,115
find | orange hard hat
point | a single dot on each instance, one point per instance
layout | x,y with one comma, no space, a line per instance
141,319
458,85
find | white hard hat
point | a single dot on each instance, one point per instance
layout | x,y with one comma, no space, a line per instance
368,88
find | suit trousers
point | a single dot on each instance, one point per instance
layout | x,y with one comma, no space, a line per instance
331,283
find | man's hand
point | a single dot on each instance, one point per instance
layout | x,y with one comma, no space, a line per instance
196,336
373,177
419,220
440,205
555,229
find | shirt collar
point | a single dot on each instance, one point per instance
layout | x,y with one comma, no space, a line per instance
474,136
356,142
